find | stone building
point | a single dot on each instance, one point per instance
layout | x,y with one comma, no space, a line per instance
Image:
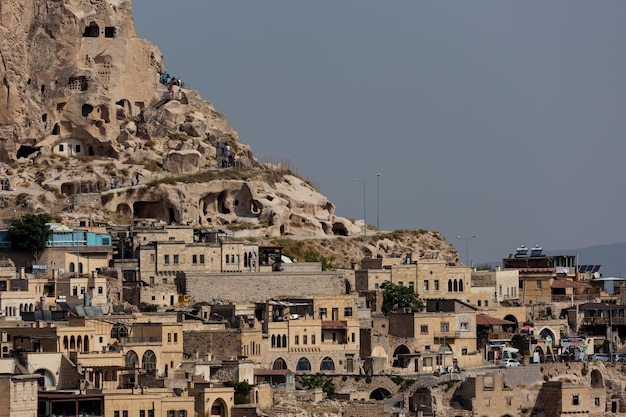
320,334
19,393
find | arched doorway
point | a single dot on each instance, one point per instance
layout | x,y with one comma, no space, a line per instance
400,360
548,335
148,361
380,394
511,328
218,408
47,380
131,359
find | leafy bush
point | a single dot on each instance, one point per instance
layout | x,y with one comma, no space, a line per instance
319,381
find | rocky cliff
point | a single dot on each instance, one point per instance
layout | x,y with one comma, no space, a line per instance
93,132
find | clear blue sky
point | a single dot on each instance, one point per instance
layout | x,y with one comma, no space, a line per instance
499,119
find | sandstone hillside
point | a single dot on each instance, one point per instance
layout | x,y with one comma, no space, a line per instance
93,133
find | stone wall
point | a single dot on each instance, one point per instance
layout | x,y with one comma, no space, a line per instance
242,288
363,409
221,344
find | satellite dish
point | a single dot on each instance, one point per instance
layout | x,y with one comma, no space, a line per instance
596,275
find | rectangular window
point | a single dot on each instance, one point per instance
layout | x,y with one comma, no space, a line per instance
175,337
100,290
171,413
304,340
412,285
486,303
74,290
116,413
353,337
444,326
323,313
426,285
427,362
124,413
164,280
479,303
176,259
464,351
82,290
539,284
142,413
296,339
201,259
424,329
182,413
227,259
500,289
194,259
509,401
464,326
166,259
169,338
61,149
312,339
347,312
575,399
78,151
436,285
596,401
400,284
151,280
152,258
232,259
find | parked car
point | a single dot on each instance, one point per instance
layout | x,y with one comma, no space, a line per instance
619,357
601,357
507,363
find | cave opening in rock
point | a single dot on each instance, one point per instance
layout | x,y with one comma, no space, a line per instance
24,151
87,108
91,31
109,31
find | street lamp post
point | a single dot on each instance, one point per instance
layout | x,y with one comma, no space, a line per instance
466,239
378,201
364,217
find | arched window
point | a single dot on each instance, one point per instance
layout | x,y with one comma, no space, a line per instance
327,364
284,340
449,285
303,365
65,343
72,343
148,361
79,343
278,341
47,380
456,285
72,267
461,285
119,331
279,364
80,267
245,259
131,359
86,343
273,340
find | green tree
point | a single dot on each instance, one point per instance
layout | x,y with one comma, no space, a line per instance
396,297
242,391
319,381
30,233
326,264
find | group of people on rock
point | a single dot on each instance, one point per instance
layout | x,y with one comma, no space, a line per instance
168,80
116,182
222,150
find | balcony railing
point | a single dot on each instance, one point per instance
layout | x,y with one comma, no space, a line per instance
448,335
142,339
576,297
